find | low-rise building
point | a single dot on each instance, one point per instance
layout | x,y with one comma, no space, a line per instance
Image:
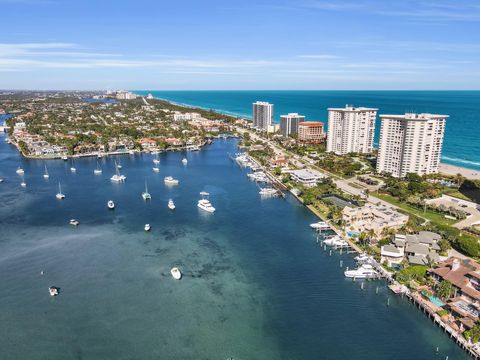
374,218
307,177
311,132
417,249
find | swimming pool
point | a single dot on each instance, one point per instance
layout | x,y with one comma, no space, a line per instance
436,301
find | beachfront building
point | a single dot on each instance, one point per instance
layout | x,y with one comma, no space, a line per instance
125,95
289,123
307,177
375,218
410,143
262,115
351,130
311,132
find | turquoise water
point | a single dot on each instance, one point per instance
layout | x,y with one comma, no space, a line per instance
461,146
436,301
256,284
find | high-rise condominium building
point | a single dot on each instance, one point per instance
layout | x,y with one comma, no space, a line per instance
311,132
410,143
289,124
262,115
351,130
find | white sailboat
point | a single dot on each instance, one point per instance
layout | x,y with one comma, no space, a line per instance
73,168
60,195
156,169
156,161
98,170
119,165
23,183
146,195
184,161
46,175
204,203
20,171
171,204
118,177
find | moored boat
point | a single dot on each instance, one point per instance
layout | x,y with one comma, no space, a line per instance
176,274
365,271
110,204
147,227
171,204
170,180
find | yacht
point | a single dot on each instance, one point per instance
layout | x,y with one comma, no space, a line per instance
156,169
64,158
146,195
171,204
131,152
361,258
111,204
98,170
321,225
60,195
184,161
99,155
20,171
74,222
176,274
53,290
147,227
335,241
204,204
46,175
268,192
365,271
170,180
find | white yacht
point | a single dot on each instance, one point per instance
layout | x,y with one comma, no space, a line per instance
146,195
365,271
171,204
20,171
53,290
204,204
321,225
111,204
74,222
147,227
184,161
176,274
335,241
98,170
64,158
170,180
46,175
118,177
268,192
156,169
99,155
362,258
60,195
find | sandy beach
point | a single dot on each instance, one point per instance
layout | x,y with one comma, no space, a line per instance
454,170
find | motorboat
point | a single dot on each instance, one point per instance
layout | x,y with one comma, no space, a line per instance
156,161
204,203
147,227
321,225
335,241
170,180
184,161
176,274
362,258
1,180
20,171
171,204
73,168
60,195
46,175
64,158
99,155
268,192
156,169
365,271
111,204
53,290
131,152
146,195
98,170
74,222
23,184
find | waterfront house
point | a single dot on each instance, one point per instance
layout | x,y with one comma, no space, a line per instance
370,217
279,160
147,143
307,177
417,249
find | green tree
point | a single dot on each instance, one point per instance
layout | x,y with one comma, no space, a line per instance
445,290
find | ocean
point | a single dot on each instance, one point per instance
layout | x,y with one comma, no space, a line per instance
461,145
256,283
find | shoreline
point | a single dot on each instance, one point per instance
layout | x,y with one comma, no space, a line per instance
444,168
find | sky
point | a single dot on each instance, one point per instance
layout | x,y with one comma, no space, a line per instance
240,44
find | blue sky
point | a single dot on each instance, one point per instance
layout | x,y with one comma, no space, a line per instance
231,44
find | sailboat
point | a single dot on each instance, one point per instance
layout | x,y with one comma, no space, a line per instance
98,170
46,175
171,204
20,171
146,195
156,161
23,183
184,161
119,166
73,168
118,177
60,195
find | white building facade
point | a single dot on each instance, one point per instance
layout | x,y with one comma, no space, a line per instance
410,143
262,115
351,130
289,123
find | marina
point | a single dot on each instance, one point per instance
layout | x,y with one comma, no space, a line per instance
236,270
